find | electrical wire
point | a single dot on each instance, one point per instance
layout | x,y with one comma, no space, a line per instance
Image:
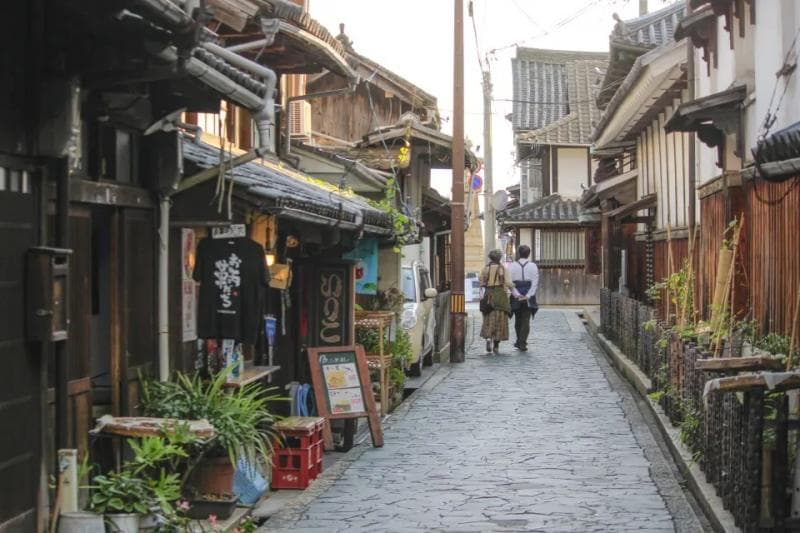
560,24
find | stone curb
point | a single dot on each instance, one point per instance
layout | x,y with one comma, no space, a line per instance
705,493
284,519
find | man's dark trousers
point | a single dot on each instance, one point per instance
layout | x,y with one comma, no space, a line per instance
522,325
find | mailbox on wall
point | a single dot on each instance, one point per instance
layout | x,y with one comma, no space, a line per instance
47,310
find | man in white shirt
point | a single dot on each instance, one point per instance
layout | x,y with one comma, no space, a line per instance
525,277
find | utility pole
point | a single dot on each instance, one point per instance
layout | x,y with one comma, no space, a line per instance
489,238
457,309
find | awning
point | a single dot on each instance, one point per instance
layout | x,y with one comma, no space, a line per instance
711,117
645,202
552,210
777,158
292,194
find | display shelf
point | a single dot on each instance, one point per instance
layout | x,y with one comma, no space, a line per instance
381,361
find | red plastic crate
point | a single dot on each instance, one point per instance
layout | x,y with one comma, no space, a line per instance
295,469
302,438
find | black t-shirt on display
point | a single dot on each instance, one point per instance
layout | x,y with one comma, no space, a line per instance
233,276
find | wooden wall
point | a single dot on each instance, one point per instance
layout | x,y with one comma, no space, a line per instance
350,116
715,215
666,263
663,162
774,222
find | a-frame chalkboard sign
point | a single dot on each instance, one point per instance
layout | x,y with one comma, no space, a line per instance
343,389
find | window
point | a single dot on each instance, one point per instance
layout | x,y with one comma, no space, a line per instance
560,247
408,285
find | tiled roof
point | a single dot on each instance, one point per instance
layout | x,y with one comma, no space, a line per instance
632,38
651,30
551,209
548,84
284,187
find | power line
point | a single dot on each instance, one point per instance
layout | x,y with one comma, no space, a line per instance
563,22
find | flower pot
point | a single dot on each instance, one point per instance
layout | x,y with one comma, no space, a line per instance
213,475
122,523
201,509
80,523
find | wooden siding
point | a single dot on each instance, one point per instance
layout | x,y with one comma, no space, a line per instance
568,286
666,266
775,256
715,215
664,170
350,116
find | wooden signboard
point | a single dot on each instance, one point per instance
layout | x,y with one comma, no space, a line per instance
342,388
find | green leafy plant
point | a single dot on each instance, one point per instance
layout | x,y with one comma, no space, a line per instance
405,228
120,492
401,348
241,416
397,377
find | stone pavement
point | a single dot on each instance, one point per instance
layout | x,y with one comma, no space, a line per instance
549,440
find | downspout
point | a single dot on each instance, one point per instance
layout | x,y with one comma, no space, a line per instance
163,288
692,167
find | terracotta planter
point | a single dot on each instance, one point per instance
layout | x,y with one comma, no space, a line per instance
213,475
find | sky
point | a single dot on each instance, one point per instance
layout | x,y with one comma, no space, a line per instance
414,38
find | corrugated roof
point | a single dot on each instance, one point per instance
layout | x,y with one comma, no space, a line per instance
549,209
550,85
287,188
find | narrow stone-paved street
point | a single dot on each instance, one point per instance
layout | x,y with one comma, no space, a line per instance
549,440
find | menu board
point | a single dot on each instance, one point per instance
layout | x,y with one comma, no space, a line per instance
342,387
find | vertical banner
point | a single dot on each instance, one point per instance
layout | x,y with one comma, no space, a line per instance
365,255
188,286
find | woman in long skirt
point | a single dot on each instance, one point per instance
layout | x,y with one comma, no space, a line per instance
496,285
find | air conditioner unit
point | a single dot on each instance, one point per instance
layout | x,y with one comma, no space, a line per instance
300,120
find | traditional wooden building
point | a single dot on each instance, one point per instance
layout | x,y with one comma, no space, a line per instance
553,115
744,115
92,152
643,180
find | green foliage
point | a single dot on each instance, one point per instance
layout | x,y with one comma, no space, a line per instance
120,492
145,484
240,416
657,396
403,226
650,325
369,338
773,343
401,349
397,377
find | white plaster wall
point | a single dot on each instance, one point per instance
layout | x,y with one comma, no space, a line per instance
573,166
777,25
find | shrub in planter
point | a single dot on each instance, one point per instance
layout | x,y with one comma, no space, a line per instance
241,418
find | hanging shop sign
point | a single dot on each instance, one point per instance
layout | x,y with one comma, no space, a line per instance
342,388
188,286
327,302
366,257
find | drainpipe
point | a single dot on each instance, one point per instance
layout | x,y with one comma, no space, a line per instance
263,110
692,168
163,288
265,116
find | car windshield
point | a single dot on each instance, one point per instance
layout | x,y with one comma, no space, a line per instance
407,281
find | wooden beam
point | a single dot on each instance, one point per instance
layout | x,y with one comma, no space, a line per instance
94,192
723,364
783,381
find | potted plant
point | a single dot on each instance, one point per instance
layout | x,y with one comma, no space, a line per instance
146,486
122,498
240,416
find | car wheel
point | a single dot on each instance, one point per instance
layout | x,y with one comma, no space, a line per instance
415,370
428,359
